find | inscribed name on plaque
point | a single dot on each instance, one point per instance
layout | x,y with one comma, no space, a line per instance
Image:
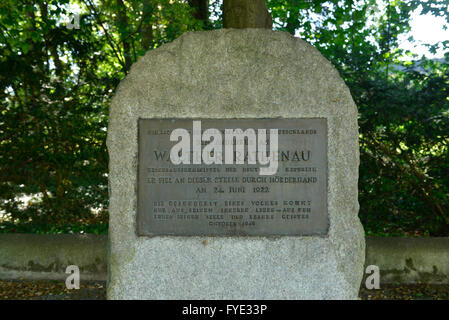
232,177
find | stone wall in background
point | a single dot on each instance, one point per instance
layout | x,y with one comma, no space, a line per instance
36,256
30,256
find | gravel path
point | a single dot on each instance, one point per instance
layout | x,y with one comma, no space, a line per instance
96,290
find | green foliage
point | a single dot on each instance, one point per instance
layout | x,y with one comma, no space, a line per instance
56,85
53,102
93,228
404,172
404,114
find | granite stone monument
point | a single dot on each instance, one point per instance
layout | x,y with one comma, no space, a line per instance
233,173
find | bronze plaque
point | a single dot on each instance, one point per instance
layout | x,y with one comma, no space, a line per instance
211,192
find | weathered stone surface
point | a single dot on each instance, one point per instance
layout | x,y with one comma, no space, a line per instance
252,73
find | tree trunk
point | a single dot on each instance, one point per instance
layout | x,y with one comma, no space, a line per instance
241,14
147,30
123,30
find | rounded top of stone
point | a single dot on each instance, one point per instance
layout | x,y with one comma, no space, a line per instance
232,73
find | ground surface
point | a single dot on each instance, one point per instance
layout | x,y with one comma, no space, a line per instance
50,290
407,292
96,290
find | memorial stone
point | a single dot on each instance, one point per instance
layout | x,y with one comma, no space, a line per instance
233,173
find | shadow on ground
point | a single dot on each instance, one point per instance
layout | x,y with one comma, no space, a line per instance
96,290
